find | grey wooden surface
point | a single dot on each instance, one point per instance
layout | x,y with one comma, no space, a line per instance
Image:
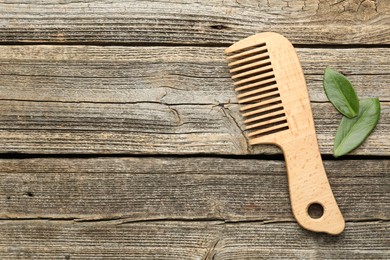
120,135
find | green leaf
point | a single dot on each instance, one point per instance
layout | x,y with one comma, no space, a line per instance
341,93
352,132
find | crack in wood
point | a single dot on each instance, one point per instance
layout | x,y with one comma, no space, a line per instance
212,250
122,220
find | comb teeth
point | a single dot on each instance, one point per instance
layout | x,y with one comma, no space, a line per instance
257,91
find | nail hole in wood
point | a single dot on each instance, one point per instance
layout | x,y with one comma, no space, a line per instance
315,210
218,27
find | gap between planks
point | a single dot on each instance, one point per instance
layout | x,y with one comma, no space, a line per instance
200,45
264,157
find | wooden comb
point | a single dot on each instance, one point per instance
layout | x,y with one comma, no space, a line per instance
271,87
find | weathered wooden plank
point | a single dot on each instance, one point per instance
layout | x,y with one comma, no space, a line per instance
150,128
67,240
284,241
173,75
193,22
179,188
180,75
187,240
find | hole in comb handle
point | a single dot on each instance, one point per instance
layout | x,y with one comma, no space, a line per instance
315,210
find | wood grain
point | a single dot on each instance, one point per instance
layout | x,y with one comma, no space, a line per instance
193,22
115,78
150,188
89,99
152,128
67,240
284,241
178,240
172,75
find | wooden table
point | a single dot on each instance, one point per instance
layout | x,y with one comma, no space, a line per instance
121,138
